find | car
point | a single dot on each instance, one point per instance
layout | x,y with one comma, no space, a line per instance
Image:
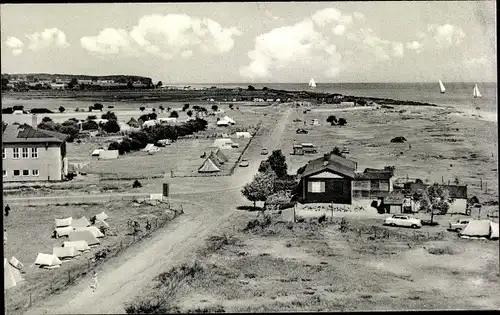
459,225
301,131
264,151
244,163
403,220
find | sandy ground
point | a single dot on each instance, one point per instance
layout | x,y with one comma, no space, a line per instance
123,276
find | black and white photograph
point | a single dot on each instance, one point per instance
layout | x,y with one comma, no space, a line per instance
249,157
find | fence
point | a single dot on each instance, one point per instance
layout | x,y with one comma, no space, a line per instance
61,278
76,199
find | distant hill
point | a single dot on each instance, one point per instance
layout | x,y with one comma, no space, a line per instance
48,76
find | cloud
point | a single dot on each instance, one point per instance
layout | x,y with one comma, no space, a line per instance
359,16
329,15
398,49
482,61
16,44
446,35
51,37
339,30
270,15
382,49
414,45
165,36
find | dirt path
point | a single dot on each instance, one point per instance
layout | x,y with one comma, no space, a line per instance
122,277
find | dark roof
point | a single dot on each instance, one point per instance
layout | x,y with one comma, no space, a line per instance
335,164
372,173
394,199
28,134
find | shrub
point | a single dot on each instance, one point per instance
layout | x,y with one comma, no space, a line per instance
342,121
207,309
331,119
7,110
61,109
111,106
136,184
142,108
111,126
189,113
109,116
114,146
90,117
46,119
36,111
77,109
215,108
98,106
446,250
90,125
251,88
186,106
174,114
398,139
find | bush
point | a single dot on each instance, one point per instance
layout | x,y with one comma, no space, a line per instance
47,119
90,125
109,116
36,111
446,250
174,114
251,88
90,117
111,126
98,106
61,109
399,139
114,146
142,108
136,184
331,119
342,121
186,106
111,106
215,108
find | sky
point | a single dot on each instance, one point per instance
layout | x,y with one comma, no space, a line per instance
258,42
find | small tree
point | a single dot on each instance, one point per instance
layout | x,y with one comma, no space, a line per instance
174,114
98,106
142,108
264,166
159,84
277,162
189,113
215,108
111,126
136,184
336,151
61,109
342,121
46,119
90,125
161,108
264,88
186,106
438,196
331,119
261,187
109,116
251,88
231,106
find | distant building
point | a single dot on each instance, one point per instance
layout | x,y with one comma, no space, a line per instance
58,86
31,154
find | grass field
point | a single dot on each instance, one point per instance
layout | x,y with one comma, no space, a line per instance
25,243
323,267
443,145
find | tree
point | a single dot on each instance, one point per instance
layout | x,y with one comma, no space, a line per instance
169,109
261,187
98,106
161,108
438,196
342,121
331,119
186,106
277,162
72,83
174,114
231,106
111,126
46,119
159,84
90,125
130,86
251,88
61,109
264,166
189,113
336,151
109,116
215,108
142,108
264,88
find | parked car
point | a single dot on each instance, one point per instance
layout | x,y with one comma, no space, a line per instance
459,225
264,151
244,163
301,131
403,220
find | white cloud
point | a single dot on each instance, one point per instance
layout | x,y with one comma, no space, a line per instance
339,30
16,44
270,15
414,45
398,49
359,16
446,35
329,15
165,36
51,37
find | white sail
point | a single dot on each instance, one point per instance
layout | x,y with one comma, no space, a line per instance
441,86
312,83
476,92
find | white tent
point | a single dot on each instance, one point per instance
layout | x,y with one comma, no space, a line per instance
81,222
153,150
63,222
149,123
222,143
477,228
64,231
148,147
11,275
16,263
101,216
65,252
229,120
494,230
243,134
92,229
220,155
108,155
208,167
97,152
79,245
86,236
47,261
222,122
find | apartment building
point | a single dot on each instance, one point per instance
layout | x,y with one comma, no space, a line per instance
30,154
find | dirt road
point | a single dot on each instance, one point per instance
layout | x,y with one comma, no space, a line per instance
122,277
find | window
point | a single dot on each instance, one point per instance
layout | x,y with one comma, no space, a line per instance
25,153
3,153
34,153
317,187
15,153
35,173
4,173
26,172
16,172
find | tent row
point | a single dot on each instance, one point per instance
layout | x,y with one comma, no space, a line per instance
481,229
213,163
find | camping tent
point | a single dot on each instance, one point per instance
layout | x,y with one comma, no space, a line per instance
97,152
11,275
229,120
65,252
208,167
92,229
221,156
476,228
153,150
82,222
86,236
148,147
16,263
80,245
64,231
63,222
101,216
494,230
47,261
222,122
243,134
222,143
215,160
108,155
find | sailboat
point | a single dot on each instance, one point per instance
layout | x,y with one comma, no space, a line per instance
476,92
312,84
441,87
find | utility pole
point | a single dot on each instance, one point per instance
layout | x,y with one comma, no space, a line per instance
481,179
